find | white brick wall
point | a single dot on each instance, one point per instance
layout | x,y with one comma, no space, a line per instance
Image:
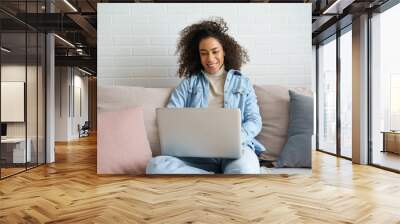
137,41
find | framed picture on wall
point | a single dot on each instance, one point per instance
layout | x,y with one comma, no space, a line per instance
12,101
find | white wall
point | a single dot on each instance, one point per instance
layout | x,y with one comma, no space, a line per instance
80,84
33,127
67,80
62,81
136,42
15,72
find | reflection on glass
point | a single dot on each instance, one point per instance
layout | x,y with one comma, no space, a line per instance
346,94
394,102
386,87
327,97
41,98
13,84
31,100
22,90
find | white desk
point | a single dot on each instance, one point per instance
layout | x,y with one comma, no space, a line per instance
18,149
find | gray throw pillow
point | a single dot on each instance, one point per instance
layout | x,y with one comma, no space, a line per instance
297,150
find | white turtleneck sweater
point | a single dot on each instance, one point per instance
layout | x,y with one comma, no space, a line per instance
216,93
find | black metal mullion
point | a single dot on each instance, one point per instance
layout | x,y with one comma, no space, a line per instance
385,168
338,98
45,97
369,90
45,90
317,96
333,154
73,91
0,94
60,88
26,86
385,6
37,90
69,92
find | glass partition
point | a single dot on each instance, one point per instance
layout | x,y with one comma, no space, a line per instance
32,60
22,77
41,91
13,94
385,89
31,100
346,94
327,96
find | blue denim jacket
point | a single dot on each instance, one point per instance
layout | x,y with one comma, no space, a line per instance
238,93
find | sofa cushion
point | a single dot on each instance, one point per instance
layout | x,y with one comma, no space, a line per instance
113,98
122,146
273,101
297,150
152,99
274,108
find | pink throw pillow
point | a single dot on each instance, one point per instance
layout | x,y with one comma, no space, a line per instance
122,144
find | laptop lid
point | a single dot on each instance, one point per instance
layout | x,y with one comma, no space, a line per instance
199,132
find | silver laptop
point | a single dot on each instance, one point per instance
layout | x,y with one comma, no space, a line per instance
199,132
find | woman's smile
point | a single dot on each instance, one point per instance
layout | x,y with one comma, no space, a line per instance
211,55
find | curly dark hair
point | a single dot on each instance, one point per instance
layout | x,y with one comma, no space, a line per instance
188,46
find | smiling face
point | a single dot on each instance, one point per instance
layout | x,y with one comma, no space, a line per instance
211,55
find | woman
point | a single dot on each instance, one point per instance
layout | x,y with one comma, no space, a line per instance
209,60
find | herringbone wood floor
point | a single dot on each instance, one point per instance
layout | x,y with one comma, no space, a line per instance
69,191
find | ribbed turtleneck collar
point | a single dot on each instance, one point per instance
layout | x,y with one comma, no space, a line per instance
220,73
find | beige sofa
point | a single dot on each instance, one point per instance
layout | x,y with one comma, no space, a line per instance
273,102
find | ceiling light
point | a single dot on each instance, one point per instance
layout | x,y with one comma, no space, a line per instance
5,49
64,40
338,6
79,51
70,5
331,7
84,71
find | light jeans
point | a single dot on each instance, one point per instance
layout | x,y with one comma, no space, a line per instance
247,164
